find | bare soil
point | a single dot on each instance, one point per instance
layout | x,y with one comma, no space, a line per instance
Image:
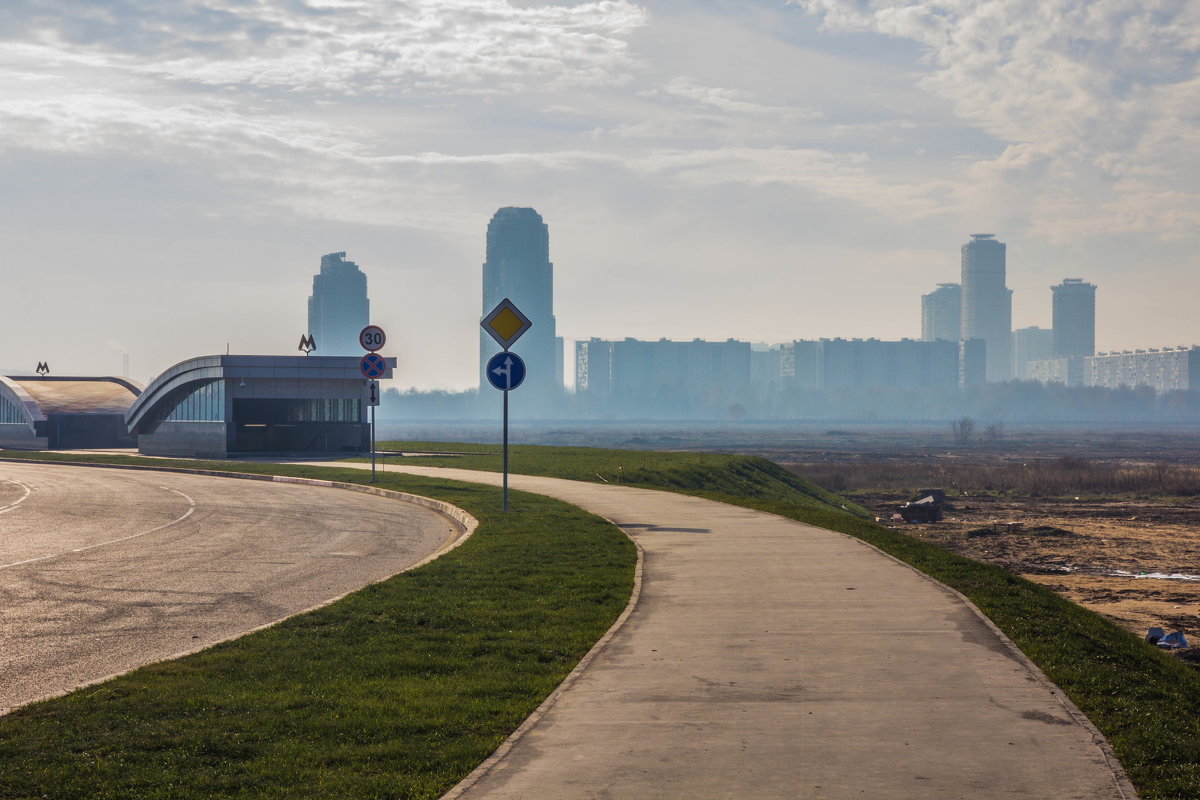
1136,562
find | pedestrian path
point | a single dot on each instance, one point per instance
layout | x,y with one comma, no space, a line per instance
766,658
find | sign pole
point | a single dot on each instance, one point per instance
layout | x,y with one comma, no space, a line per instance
373,366
505,450
505,371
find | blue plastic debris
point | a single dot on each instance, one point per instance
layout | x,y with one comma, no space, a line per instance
1173,640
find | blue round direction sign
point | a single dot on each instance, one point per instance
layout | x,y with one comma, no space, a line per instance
372,365
505,371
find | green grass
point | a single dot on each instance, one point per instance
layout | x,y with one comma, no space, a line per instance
396,691
1145,701
743,480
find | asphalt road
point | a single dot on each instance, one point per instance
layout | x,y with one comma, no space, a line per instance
103,570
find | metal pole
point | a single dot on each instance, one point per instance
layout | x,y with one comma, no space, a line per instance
506,451
372,444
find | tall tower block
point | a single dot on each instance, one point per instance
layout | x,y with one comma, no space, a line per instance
518,267
987,302
941,313
338,308
1074,318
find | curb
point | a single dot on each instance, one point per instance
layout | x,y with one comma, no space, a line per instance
498,755
455,513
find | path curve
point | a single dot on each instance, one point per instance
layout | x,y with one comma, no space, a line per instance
103,570
767,658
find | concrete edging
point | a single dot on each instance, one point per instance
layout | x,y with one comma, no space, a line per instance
543,709
442,507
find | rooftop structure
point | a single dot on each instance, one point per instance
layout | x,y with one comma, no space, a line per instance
53,412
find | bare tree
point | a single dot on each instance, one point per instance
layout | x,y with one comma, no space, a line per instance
963,429
994,432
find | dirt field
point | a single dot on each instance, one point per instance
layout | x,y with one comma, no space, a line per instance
1137,563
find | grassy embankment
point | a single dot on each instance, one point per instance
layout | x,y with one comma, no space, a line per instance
1065,476
1145,702
396,691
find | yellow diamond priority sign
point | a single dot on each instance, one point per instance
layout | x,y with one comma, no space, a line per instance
506,323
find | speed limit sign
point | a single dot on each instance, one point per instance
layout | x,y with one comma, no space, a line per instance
372,338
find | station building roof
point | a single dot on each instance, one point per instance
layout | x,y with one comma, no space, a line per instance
39,396
269,376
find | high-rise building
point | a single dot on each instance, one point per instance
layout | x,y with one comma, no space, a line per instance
1074,318
1030,344
338,309
518,267
941,313
987,302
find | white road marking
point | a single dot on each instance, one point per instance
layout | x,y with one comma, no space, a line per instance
188,513
15,503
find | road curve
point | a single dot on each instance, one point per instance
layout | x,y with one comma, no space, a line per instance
104,570
771,659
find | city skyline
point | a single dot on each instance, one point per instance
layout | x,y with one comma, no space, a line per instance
767,171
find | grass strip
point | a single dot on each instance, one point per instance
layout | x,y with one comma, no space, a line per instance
397,691
1144,701
731,478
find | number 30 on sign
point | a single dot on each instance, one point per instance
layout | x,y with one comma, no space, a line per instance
372,338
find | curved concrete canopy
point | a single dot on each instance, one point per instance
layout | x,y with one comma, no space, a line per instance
44,395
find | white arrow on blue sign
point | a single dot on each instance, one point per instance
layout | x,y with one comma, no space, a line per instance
505,371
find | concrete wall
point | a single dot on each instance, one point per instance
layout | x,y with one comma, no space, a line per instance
86,431
19,436
186,439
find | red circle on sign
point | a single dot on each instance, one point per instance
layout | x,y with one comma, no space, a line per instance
372,338
372,365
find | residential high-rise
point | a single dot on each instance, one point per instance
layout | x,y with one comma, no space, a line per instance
1030,344
1074,318
338,309
987,302
941,313
518,267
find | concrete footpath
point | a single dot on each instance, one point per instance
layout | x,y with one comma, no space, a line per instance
766,658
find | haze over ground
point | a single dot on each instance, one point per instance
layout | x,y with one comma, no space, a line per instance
760,170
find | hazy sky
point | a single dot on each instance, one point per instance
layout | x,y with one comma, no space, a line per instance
172,172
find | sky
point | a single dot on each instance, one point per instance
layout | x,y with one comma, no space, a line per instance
172,172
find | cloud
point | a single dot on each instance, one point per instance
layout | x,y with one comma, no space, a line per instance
730,101
372,47
1087,95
